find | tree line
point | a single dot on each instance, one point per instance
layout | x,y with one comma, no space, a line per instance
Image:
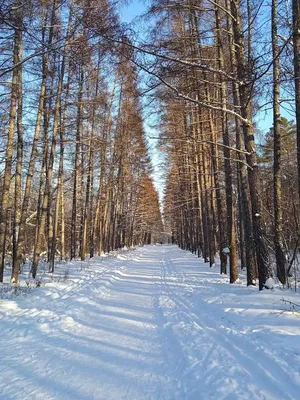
216,66
75,172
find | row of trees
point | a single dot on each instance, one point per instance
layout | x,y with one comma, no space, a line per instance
217,64
75,175
74,168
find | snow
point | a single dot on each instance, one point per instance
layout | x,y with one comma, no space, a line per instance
269,283
155,323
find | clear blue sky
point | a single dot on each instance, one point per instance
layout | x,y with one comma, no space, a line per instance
129,12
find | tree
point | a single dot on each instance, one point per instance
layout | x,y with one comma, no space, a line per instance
278,242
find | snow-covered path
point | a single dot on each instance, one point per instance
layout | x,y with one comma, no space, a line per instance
152,324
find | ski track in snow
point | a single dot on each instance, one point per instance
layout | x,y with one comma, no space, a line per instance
154,324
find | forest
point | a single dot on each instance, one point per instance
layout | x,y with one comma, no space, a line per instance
76,176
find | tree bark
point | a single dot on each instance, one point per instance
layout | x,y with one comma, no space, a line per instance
19,161
280,258
296,43
73,246
4,205
231,230
262,256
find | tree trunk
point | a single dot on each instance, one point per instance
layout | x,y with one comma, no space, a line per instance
30,173
264,271
73,246
280,258
4,205
48,160
231,232
18,173
296,43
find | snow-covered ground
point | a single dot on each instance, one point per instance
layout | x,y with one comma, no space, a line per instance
155,324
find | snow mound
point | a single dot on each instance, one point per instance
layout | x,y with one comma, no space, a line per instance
269,283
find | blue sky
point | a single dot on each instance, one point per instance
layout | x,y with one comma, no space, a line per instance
129,12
